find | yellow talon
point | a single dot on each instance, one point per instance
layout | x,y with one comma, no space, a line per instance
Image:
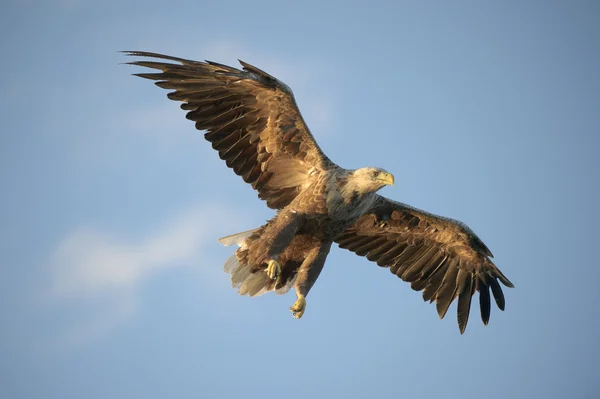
273,269
298,307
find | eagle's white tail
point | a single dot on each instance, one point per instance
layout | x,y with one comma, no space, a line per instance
242,278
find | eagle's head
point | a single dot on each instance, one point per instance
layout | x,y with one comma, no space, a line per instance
369,180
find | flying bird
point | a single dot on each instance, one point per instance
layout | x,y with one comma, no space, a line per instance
252,121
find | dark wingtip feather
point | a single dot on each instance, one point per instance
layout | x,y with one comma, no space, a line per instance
151,76
223,66
497,292
134,53
484,303
504,280
258,71
130,53
487,250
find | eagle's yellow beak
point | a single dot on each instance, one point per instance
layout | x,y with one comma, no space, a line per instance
387,178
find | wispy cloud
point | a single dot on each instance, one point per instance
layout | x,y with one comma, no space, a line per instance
88,261
106,268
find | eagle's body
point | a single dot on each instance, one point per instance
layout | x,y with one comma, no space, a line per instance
252,120
299,237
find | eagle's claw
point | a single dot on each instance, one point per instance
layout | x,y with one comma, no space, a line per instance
298,308
273,269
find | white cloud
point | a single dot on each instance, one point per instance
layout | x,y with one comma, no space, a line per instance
88,261
100,267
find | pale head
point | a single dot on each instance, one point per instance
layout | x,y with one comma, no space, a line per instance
369,180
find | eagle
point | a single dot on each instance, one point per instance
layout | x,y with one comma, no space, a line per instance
252,120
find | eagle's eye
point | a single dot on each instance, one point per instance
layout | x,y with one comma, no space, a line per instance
375,173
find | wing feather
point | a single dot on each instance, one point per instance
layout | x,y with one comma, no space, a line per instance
435,282
416,266
497,292
447,291
387,258
440,256
484,302
250,118
465,283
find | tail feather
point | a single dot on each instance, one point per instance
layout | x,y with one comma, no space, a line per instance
239,238
243,278
255,285
231,264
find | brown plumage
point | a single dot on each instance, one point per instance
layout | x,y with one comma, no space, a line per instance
253,122
439,256
251,119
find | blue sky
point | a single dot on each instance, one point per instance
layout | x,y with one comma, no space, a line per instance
112,203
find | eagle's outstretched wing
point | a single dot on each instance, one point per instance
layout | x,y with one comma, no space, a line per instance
440,256
251,119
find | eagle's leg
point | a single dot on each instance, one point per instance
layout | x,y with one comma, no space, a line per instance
307,275
279,235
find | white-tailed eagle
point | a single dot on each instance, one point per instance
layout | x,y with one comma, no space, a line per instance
253,122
